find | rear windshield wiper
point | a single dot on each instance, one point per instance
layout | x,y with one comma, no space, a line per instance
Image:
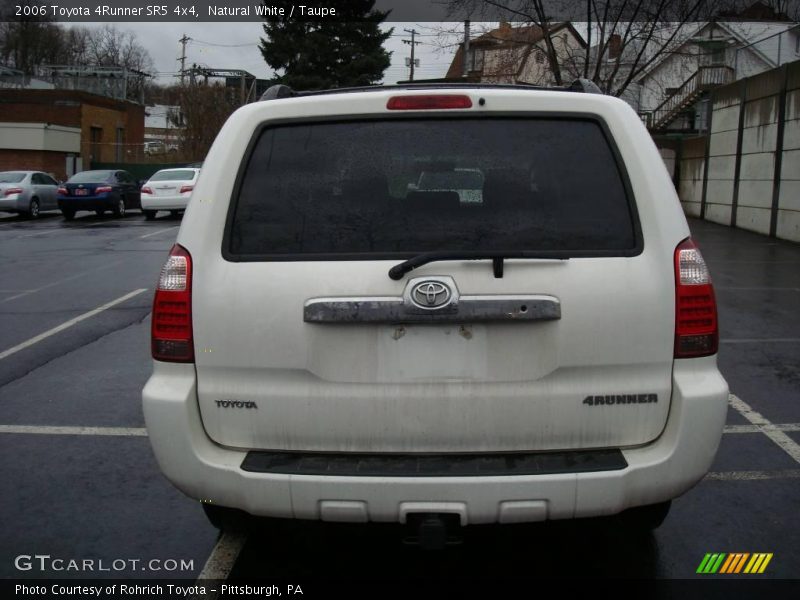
397,271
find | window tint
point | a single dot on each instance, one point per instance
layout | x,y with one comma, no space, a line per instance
37,179
409,186
173,175
90,177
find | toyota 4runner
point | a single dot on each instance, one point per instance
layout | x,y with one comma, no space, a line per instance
333,342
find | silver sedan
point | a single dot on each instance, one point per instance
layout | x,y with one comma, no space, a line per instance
27,192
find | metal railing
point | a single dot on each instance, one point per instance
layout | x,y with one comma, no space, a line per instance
703,79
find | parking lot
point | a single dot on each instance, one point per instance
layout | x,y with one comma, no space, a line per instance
80,481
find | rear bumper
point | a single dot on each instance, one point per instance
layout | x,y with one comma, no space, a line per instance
88,203
659,471
164,202
15,204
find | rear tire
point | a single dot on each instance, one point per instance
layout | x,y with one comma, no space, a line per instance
646,518
33,209
68,214
119,209
227,519
149,215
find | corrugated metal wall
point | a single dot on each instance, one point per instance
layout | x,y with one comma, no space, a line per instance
747,173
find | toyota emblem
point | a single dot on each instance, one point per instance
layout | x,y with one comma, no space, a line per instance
431,294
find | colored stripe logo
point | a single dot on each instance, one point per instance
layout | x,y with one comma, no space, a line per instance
734,563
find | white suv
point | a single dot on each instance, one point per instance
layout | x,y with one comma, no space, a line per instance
331,343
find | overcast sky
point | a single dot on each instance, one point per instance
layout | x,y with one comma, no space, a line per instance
235,46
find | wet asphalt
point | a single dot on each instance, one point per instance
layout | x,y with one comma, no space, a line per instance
101,497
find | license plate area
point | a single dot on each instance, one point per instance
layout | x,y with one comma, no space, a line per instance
81,192
433,352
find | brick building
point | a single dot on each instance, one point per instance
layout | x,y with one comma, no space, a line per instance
110,130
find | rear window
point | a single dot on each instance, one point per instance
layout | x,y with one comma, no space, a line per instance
400,187
90,177
11,177
174,175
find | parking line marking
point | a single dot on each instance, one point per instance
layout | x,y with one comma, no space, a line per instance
791,427
220,563
786,443
760,341
60,281
19,237
753,475
58,430
141,237
68,324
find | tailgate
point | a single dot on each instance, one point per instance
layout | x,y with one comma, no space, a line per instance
303,341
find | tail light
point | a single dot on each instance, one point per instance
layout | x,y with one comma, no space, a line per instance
696,326
103,189
62,191
171,333
186,188
10,191
429,102
146,190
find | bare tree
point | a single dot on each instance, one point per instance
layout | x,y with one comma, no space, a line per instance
109,46
203,110
629,35
27,41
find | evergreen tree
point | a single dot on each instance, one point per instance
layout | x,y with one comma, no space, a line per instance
344,51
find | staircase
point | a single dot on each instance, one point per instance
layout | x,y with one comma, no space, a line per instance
704,79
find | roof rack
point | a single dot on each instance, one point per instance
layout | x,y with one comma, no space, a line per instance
279,91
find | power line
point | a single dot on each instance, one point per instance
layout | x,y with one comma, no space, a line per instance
223,45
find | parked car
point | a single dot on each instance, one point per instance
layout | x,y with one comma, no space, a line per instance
27,192
154,147
159,147
329,344
168,189
116,191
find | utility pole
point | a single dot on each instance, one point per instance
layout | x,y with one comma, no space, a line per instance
412,63
465,69
183,41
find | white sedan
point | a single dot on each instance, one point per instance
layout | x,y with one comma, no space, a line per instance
168,189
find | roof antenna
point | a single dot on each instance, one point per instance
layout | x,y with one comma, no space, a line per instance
587,86
277,91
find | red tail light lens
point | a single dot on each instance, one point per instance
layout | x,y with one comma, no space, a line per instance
102,189
10,191
62,190
429,102
171,333
696,326
146,190
186,188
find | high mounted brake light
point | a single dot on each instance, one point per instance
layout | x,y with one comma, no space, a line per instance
696,326
171,334
429,102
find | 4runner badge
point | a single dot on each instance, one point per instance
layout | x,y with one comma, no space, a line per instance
620,399
236,404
